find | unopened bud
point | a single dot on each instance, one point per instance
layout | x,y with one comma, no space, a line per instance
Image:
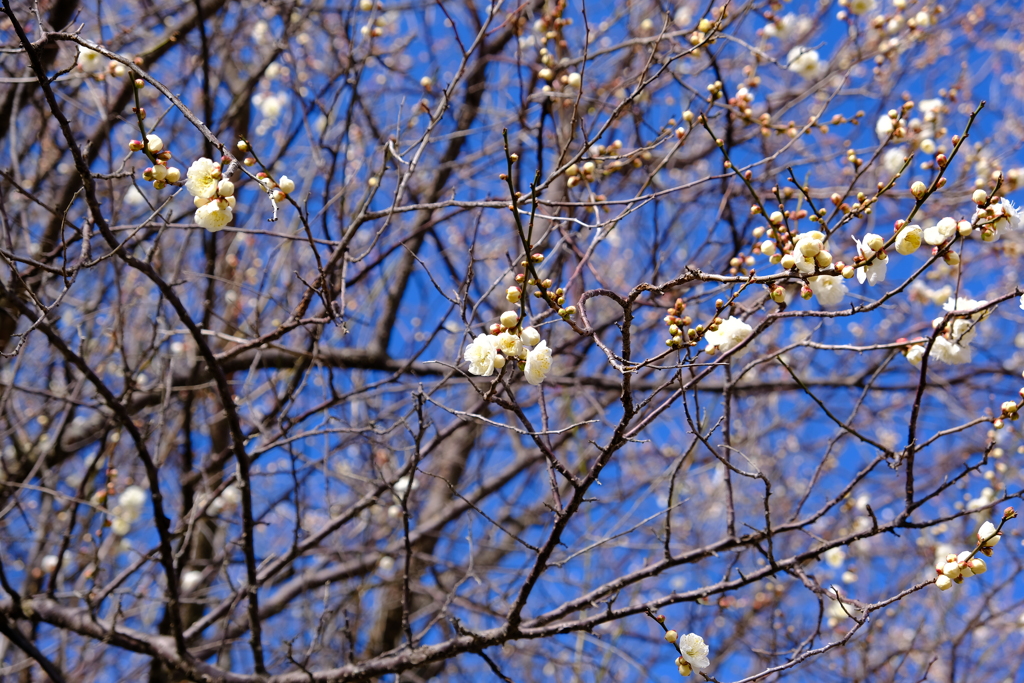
509,319
918,189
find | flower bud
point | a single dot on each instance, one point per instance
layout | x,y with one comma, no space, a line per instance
136,145
788,262
278,196
159,172
154,144
987,530
574,80
951,569
200,201
944,583
512,294
874,242
848,272
286,184
249,161
979,197
768,247
499,361
509,319
671,636
964,228
951,258
530,336
977,565
918,189
778,294
225,188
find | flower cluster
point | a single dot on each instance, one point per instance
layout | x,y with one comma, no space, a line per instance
213,195
693,652
806,62
160,174
954,568
993,214
128,510
728,334
953,345
507,341
278,190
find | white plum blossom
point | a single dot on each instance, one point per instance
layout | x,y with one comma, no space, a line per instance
908,239
130,503
940,232
930,108
788,26
190,580
860,6
683,16
999,214
90,61
804,61
538,363
480,355
730,334
835,557
874,272
694,651
883,127
203,176
829,289
214,215
962,304
915,354
509,344
48,564
950,353
1022,303
892,160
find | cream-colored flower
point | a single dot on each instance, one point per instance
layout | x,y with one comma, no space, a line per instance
829,289
908,240
213,216
834,557
860,6
804,61
131,502
940,232
951,353
509,344
915,354
788,26
730,334
203,176
190,580
874,272
90,61
480,355
892,160
538,363
694,651
120,526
